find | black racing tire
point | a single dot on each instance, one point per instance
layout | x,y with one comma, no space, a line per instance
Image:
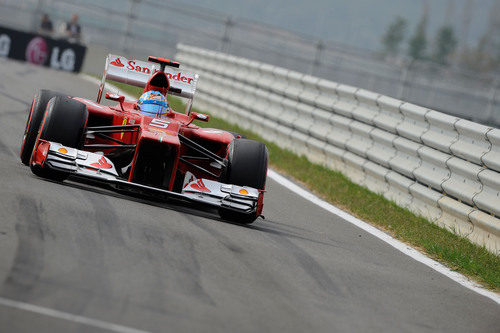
247,166
237,217
35,116
237,135
64,122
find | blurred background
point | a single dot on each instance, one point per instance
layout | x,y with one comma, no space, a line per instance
444,54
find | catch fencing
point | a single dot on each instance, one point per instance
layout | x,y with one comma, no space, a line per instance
137,29
441,167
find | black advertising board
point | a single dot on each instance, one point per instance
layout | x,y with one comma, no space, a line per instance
41,50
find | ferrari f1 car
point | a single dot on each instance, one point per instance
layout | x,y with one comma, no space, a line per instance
165,157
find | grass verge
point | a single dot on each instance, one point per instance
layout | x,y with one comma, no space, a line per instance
456,252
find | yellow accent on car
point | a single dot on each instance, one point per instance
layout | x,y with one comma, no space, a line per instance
123,123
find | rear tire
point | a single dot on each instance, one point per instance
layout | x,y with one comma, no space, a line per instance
35,116
247,166
64,122
237,135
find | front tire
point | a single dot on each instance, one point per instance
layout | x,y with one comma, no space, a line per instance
247,166
64,122
35,117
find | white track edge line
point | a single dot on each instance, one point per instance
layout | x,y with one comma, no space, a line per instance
406,249
68,316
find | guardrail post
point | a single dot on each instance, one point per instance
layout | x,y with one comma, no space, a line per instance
495,87
227,33
317,56
130,17
36,15
403,80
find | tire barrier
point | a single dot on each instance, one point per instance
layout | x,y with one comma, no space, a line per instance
441,167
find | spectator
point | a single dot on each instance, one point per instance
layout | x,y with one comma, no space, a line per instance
73,29
46,27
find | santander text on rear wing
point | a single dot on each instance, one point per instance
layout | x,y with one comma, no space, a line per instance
137,73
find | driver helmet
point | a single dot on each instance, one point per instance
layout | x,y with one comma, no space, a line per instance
152,103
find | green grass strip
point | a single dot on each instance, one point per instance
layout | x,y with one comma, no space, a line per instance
458,253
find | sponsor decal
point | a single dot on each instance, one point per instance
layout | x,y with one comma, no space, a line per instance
188,178
65,61
143,68
179,77
102,164
4,45
123,123
41,50
37,51
199,186
132,66
117,62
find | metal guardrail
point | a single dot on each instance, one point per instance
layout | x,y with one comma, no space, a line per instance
442,167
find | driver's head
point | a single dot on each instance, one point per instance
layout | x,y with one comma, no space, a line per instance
153,103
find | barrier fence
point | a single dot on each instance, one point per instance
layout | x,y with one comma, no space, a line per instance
439,166
138,29
41,50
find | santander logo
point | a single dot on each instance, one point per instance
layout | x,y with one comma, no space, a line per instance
102,164
37,51
117,62
199,186
137,67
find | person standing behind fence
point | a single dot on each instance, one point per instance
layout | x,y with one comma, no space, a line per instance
46,27
73,29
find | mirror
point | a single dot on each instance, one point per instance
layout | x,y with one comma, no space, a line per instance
115,97
199,116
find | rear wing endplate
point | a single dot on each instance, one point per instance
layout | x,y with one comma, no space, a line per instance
137,73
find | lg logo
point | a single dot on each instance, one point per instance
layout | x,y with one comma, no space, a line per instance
4,45
65,61
37,51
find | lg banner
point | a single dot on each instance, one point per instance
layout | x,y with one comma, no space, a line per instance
41,50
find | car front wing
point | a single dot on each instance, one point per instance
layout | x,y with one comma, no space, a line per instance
98,168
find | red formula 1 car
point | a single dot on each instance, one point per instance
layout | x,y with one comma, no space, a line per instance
167,157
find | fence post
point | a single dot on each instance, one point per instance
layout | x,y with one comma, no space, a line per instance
317,56
131,16
403,79
495,87
36,16
227,33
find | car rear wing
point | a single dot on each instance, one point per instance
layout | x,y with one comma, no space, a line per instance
137,73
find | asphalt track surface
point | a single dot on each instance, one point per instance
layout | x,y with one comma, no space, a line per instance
96,257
